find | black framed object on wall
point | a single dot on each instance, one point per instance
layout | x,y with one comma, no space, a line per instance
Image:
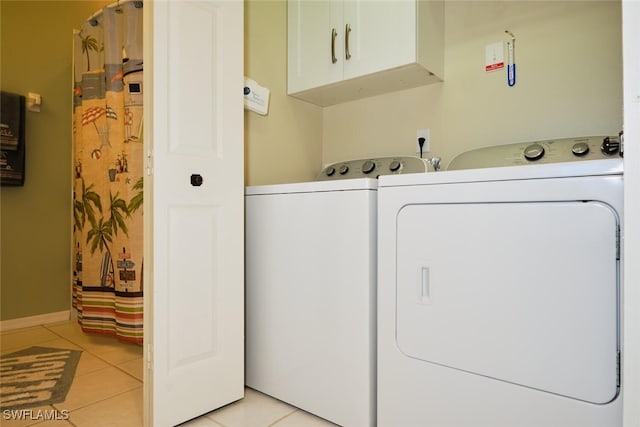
12,139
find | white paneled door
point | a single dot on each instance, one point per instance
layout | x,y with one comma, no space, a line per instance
194,186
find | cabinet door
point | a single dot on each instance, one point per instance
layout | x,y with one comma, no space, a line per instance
382,36
310,25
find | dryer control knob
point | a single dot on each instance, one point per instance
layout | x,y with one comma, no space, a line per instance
580,149
330,171
610,146
343,169
534,152
368,166
394,166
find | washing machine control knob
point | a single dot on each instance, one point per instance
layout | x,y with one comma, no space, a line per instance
534,152
368,166
343,169
330,171
394,166
610,146
580,149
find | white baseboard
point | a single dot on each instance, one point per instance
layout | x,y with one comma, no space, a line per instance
40,319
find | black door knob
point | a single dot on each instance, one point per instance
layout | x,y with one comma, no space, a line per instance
196,180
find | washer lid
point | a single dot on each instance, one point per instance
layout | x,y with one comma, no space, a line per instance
314,187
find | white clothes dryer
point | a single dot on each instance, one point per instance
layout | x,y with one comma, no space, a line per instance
311,289
499,289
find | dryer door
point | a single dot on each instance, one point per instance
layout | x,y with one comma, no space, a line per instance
520,292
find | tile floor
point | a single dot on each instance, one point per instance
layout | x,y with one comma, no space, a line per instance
109,375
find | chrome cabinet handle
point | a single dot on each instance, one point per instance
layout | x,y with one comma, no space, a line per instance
347,31
334,34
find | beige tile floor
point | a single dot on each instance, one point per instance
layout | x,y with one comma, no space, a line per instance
107,387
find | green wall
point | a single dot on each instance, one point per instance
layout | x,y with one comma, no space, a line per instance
35,220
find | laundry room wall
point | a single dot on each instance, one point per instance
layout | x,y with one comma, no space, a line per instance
569,83
35,227
286,144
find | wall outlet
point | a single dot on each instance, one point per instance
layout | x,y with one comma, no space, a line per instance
426,147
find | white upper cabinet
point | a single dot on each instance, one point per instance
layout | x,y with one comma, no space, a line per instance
310,28
341,50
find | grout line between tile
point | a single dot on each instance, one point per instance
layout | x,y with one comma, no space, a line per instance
93,354
283,417
217,423
96,402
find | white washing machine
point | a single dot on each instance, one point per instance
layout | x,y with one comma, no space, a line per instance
311,289
499,289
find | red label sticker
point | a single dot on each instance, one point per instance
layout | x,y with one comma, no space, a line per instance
493,67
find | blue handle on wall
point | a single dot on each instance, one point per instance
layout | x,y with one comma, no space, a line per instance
511,59
511,75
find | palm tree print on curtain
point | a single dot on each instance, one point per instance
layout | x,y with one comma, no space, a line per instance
108,180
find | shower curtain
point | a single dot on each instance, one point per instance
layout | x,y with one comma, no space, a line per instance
108,172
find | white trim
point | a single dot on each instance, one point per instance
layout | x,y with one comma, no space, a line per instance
40,319
631,309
